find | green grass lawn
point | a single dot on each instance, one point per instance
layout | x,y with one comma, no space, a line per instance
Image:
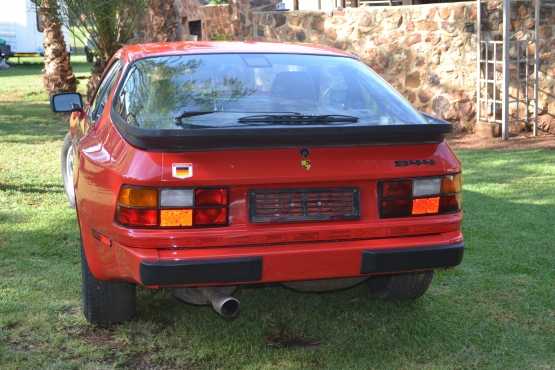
496,310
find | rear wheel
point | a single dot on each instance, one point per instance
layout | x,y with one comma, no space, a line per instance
67,169
403,287
106,302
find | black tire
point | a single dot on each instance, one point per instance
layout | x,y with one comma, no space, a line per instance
106,302
67,176
400,287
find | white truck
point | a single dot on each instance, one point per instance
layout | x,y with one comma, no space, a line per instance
21,29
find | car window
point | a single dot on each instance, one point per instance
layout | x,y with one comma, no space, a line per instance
106,85
231,86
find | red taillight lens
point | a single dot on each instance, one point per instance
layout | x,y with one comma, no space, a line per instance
210,197
210,216
395,208
397,189
419,197
137,216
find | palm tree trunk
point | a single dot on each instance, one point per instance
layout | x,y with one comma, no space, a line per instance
96,72
58,74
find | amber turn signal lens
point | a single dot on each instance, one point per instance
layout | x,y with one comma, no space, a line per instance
138,197
451,184
176,217
425,206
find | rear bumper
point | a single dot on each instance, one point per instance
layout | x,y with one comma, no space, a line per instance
270,263
250,269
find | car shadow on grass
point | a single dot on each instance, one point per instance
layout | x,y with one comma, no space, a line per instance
30,123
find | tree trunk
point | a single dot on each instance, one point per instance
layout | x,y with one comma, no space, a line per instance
94,80
58,75
161,21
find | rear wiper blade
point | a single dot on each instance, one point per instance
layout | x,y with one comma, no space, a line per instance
297,118
186,114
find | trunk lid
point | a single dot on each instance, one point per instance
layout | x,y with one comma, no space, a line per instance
307,194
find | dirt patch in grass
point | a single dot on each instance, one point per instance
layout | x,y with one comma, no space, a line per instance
94,336
524,141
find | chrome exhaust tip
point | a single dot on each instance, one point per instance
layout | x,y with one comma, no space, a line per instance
226,306
219,298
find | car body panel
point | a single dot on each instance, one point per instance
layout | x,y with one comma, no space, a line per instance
133,52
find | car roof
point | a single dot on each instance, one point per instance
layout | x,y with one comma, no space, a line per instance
139,51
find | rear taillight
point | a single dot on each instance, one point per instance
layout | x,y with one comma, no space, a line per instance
420,196
172,208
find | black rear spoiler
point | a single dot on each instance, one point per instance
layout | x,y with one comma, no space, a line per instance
258,137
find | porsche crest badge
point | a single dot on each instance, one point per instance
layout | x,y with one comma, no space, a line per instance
305,162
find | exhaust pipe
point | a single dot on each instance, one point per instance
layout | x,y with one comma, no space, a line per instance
225,305
218,297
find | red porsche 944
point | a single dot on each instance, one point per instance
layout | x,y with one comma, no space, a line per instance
204,166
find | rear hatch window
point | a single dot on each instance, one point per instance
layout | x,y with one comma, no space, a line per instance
266,95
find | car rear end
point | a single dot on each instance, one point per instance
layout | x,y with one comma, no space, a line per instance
217,197
260,216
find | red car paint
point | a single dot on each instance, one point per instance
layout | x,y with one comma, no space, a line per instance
290,252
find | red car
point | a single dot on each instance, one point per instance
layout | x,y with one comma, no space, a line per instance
204,166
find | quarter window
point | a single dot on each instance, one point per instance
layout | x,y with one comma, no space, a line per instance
99,101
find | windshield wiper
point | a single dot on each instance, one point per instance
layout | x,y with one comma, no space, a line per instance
297,118
178,119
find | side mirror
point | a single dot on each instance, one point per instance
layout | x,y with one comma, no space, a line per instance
66,102
434,120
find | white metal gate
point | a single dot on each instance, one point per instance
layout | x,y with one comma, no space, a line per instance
507,68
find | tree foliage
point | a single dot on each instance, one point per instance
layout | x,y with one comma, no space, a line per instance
108,24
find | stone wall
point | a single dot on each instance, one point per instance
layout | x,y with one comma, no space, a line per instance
220,22
232,21
427,52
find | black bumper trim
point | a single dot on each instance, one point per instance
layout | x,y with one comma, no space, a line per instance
201,271
397,260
